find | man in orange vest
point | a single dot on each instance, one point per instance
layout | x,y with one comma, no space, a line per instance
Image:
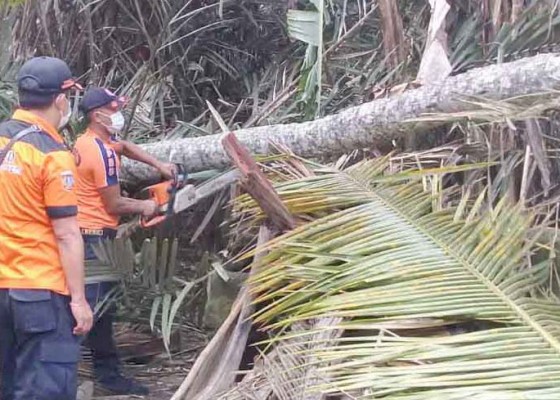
43,308
100,204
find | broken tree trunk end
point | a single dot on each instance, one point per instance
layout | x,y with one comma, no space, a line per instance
257,185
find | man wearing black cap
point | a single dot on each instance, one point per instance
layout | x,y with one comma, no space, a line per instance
43,308
100,205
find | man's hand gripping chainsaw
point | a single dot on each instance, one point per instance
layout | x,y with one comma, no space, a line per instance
164,194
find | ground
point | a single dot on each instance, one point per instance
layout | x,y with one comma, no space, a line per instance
145,359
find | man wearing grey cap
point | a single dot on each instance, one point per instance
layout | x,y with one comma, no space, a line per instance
43,307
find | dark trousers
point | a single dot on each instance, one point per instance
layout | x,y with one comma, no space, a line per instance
100,339
38,352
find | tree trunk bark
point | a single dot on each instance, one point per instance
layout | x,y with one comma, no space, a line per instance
393,32
367,125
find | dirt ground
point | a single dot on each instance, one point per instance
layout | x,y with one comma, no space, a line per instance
145,359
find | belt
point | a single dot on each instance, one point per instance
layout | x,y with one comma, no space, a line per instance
103,232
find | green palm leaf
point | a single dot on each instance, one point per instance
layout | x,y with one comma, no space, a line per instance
399,276
307,26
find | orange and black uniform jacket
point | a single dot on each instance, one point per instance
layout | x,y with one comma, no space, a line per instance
98,162
36,185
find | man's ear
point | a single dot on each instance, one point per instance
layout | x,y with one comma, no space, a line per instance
59,101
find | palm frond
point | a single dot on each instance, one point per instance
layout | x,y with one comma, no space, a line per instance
432,306
535,31
307,26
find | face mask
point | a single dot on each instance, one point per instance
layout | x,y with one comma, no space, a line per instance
64,119
117,122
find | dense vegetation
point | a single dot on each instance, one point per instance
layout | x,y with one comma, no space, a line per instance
486,236
172,57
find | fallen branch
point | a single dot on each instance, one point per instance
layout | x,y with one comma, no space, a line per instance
214,369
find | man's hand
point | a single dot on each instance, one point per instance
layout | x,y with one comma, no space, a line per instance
135,152
71,249
83,316
149,208
168,170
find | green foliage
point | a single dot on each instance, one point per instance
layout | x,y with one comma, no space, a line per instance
536,30
172,57
433,301
148,276
307,26
7,100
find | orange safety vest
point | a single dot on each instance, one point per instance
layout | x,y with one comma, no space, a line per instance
37,181
98,163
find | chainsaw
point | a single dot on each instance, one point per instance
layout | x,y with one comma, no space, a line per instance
164,194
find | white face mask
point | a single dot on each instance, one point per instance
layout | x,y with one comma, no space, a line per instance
117,122
64,119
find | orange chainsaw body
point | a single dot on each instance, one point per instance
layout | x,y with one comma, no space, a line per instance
163,194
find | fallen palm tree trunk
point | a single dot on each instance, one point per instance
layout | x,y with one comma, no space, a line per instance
370,124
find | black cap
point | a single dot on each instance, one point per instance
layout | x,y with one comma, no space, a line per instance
96,97
45,76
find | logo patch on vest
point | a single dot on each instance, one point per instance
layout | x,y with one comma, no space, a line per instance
9,164
10,157
67,180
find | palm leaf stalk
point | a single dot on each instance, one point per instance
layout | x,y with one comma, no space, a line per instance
401,272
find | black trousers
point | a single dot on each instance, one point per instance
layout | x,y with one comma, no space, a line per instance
38,352
100,339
